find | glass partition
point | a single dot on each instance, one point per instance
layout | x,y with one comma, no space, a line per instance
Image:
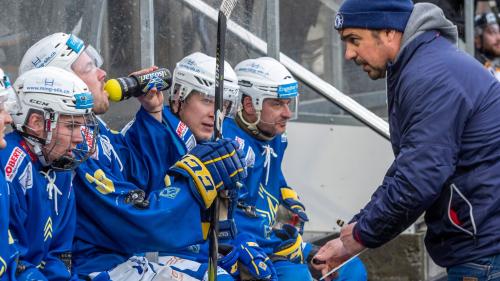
113,27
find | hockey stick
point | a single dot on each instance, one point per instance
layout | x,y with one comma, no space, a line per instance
225,10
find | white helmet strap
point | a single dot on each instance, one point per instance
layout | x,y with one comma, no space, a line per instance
251,127
50,124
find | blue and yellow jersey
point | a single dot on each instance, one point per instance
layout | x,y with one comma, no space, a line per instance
42,213
265,178
113,222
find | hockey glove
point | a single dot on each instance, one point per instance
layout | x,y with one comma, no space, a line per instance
247,258
212,166
291,245
292,203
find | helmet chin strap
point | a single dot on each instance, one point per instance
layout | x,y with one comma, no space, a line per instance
251,127
37,143
37,148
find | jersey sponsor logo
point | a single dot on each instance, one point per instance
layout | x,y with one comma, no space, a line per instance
241,142
88,136
15,159
250,158
26,178
181,129
170,192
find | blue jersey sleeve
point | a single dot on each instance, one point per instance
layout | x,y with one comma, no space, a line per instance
152,148
7,252
115,214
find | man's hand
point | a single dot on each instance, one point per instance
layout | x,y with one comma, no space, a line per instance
337,251
153,100
347,238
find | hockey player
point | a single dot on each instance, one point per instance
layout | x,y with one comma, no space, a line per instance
7,105
54,107
115,213
269,99
269,92
487,42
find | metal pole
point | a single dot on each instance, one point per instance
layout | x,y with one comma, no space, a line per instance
273,26
147,33
469,26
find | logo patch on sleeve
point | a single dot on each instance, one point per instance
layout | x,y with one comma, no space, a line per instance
241,142
181,129
250,158
26,178
170,192
15,159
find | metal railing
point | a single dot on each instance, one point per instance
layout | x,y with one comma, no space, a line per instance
325,89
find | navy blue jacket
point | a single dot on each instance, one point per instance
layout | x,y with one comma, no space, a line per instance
444,115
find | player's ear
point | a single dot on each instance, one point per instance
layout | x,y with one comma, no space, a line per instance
35,124
247,105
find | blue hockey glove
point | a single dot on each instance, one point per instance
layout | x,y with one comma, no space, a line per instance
212,166
229,259
254,259
291,202
291,245
246,258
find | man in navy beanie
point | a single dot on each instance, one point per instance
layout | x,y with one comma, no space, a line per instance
445,134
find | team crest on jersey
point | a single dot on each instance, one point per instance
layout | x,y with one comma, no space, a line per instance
181,129
250,157
15,159
241,142
170,192
26,178
194,248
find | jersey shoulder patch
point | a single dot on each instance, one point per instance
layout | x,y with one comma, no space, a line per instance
13,163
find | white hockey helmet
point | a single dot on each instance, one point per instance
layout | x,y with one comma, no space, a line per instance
264,78
196,72
8,98
52,92
59,50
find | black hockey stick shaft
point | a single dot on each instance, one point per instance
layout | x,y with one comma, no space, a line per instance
224,13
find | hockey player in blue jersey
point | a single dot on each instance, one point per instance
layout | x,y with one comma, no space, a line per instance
269,97
190,119
117,220
54,107
8,105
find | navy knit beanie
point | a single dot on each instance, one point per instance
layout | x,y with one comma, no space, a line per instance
374,14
